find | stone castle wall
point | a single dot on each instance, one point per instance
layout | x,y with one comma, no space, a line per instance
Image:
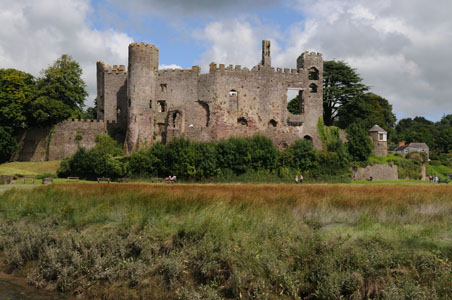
46,144
377,171
226,101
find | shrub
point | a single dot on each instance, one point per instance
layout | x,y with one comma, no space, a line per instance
104,160
8,145
359,145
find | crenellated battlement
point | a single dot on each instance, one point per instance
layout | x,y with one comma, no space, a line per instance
213,68
75,121
143,46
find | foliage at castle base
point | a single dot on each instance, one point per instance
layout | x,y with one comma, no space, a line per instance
29,102
234,159
359,145
8,145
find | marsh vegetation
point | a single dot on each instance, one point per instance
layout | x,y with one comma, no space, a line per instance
231,241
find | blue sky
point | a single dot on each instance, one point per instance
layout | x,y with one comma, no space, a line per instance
401,48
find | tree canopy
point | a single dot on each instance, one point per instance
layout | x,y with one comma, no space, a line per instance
367,110
61,92
26,101
17,92
341,85
359,145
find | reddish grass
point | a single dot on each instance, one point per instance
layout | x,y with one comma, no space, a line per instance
311,196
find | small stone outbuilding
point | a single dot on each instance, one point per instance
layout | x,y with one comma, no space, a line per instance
379,138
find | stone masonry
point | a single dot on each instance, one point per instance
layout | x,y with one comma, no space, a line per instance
157,105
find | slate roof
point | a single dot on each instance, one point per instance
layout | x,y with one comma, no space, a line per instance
377,128
418,145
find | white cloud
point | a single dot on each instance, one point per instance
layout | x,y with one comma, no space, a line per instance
236,42
169,67
400,47
35,33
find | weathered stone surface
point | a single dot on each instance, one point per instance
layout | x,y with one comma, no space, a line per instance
47,181
41,144
377,172
226,101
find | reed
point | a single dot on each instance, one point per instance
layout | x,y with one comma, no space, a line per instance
236,241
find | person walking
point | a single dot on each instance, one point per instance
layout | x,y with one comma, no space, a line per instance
301,178
296,179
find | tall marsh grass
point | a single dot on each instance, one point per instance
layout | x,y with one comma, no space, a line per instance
231,241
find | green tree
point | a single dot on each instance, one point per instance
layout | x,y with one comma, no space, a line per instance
61,92
263,153
8,145
234,154
17,91
359,145
303,155
341,84
418,130
294,106
367,110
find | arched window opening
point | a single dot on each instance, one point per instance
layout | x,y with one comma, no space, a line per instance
272,123
242,121
162,105
313,74
283,145
175,118
308,138
233,100
130,102
233,93
150,104
313,88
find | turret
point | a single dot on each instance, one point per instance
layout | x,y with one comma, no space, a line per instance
266,58
143,65
379,138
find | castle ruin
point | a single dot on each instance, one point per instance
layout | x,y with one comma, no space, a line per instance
142,104
157,105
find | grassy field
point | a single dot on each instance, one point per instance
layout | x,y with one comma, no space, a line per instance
242,241
29,168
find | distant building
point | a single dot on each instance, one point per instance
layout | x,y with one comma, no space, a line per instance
379,138
411,147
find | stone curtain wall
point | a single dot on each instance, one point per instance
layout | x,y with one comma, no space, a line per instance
377,171
63,140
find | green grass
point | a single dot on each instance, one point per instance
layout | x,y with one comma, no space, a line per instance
29,168
231,241
440,170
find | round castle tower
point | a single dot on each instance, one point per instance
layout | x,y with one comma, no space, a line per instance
143,67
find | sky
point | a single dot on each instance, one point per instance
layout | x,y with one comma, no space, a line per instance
401,48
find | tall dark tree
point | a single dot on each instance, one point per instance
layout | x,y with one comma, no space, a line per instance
17,91
341,84
61,94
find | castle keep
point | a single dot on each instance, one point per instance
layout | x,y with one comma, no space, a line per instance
157,105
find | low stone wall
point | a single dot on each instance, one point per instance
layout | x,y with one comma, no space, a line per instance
45,144
377,172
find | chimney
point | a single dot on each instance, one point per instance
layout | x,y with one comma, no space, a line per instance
402,143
